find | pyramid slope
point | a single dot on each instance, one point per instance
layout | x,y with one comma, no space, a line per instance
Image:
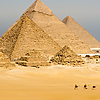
32,37
57,30
8,40
85,36
67,57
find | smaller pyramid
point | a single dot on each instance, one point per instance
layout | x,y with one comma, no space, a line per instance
85,36
5,61
33,59
67,57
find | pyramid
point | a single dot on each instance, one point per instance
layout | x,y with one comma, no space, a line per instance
85,36
33,59
26,36
67,57
5,61
56,29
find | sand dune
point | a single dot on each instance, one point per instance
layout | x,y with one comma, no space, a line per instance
51,83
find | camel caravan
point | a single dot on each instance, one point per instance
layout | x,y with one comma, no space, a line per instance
39,38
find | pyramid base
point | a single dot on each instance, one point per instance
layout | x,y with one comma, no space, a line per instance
33,64
6,65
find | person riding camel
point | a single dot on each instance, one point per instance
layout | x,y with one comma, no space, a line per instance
76,86
85,86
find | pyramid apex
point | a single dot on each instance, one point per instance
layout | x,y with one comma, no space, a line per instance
66,18
39,6
69,16
38,0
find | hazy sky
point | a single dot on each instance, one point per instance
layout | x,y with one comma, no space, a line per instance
85,12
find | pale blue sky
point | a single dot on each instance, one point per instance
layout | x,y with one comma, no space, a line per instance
85,12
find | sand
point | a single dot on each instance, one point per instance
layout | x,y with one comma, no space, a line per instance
51,83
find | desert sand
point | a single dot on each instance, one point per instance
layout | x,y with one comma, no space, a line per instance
50,83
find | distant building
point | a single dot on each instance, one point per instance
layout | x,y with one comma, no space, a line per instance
96,50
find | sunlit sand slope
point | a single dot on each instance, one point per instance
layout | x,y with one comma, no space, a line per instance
55,83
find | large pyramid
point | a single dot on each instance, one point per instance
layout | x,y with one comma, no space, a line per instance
56,29
85,36
26,36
